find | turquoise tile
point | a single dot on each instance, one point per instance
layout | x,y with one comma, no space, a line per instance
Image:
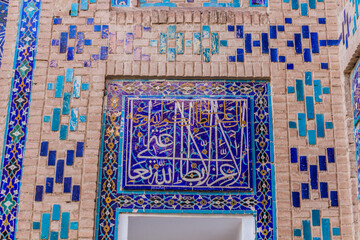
292,124
188,43
84,4
74,119
336,231
171,31
64,227
316,238
320,130
84,86
329,125
45,226
317,90
310,107
214,43
325,227
69,74
308,78
302,124
153,43
295,4
162,43
66,103
50,86
74,9
326,90
82,118
76,88
47,118
312,4
54,236
304,9
197,43
206,54
180,43
36,225
312,137
315,215
56,212
291,89
297,232
306,229
55,124
206,31
74,225
63,132
223,43
299,90
59,86
171,54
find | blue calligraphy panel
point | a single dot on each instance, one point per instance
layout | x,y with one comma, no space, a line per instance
200,143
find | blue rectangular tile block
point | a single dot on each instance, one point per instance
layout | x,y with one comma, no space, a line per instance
223,43
317,90
312,4
290,89
44,149
45,226
39,190
256,43
197,43
54,235
59,174
325,227
84,86
304,9
324,192
298,44
305,31
74,225
59,86
63,132
70,54
206,54
239,31
322,163
64,227
310,111
334,201
75,193
76,87
56,212
264,43
336,231
315,216
273,32
281,28
320,129
97,28
288,20
74,115
104,31
171,55
293,155
66,103
329,125
313,177
292,124
231,28
302,124
273,55
297,232
214,43
67,185
305,191
80,37
240,55
70,157
171,31
314,42
180,47
299,90
72,31
55,124
36,225
331,155
308,78
295,4
312,137
162,43
63,42
290,43
79,149
303,163
103,52
306,229
307,55
49,185
205,31
69,74
74,9
296,199
52,158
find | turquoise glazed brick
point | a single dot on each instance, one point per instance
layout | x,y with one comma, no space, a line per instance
299,90
76,88
312,137
64,227
329,125
45,226
302,124
188,43
308,78
171,31
292,124
59,86
74,119
54,236
310,111
69,74
214,43
180,43
66,103
171,54
336,231
55,119
315,215
56,212
162,43
297,232
74,9
306,230
82,118
223,43
197,43
291,89
74,225
84,86
317,90
47,118
50,86
153,43
36,225
206,31
63,132
320,130
325,227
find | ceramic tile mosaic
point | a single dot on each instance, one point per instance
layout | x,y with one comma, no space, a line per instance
3,19
162,113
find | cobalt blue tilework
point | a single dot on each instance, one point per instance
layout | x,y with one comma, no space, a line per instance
16,129
258,202
3,20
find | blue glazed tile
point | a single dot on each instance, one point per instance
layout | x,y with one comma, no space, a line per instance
308,78
79,149
306,229
273,32
296,199
75,193
206,31
293,155
231,28
290,66
322,20
206,54
298,44
281,28
52,158
331,155
70,157
313,177
288,20
69,74
180,48
305,31
80,42
188,43
299,90
36,225
74,115
239,55
39,190
171,31
297,232
322,43
129,42
290,43
55,124
104,31
171,54
304,9
302,124
291,89
76,87
45,226
232,58
162,43
97,28
63,132
315,216
59,174
54,235
66,103
292,124
264,43
49,185
282,59
303,163
314,42
82,118
317,90
316,238
334,199
310,111
90,21
248,48
256,43
312,4
324,66
153,43
324,192
67,185
295,4
197,43
325,227
72,31
312,137
55,42
70,54
57,21
56,212
44,149
307,55
214,46
305,191
103,53
85,86
47,118
63,42
74,225
223,43
322,163
320,130
273,55
336,231
50,86
329,125
326,90
95,57
64,227
74,9
59,86
239,31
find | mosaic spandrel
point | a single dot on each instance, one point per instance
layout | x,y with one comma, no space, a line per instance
191,143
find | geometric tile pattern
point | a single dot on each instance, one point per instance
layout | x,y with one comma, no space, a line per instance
112,199
16,125
3,19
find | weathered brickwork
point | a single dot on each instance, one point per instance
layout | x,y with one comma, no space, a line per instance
59,166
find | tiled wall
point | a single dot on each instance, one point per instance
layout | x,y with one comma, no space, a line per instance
293,45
